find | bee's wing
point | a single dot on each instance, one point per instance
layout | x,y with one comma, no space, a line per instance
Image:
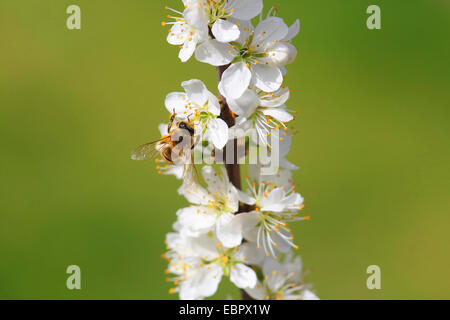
149,150
190,175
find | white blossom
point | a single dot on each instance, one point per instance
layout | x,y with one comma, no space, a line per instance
213,237
193,280
186,32
263,112
219,14
192,26
256,57
282,281
213,209
199,105
198,264
273,208
282,179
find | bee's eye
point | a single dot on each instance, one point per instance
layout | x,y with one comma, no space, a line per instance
182,125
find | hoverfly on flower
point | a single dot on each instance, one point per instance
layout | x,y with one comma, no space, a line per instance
175,148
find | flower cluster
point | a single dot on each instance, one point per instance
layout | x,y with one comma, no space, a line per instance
240,233
212,240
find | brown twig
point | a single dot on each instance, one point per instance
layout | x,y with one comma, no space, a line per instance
233,170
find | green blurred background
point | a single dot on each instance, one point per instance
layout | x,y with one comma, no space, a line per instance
373,146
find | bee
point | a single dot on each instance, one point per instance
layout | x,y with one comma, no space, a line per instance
175,148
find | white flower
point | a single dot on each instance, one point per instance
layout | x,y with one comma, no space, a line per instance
282,281
282,179
201,106
192,26
193,280
198,264
214,209
186,32
273,208
257,57
232,260
216,14
264,112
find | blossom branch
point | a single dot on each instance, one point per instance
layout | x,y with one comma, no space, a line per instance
228,231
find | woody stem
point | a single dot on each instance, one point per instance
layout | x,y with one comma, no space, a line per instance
233,169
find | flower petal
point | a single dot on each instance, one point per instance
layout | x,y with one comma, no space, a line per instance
163,129
280,98
281,54
211,177
231,228
293,31
250,253
267,78
235,80
196,16
218,132
177,35
283,246
225,31
279,113
285,145
270,30
215,53
228,232
246,221
205,247
177,171
196,91
188,50
243,276
245,105
174,240
269,266
176,101
293,201
213,104
309,295
245,28
245,198
203,284
286,164
194,221
197,195
208,280
257,293
273,201
245,10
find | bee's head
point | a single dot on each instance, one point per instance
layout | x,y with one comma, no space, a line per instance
186,126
